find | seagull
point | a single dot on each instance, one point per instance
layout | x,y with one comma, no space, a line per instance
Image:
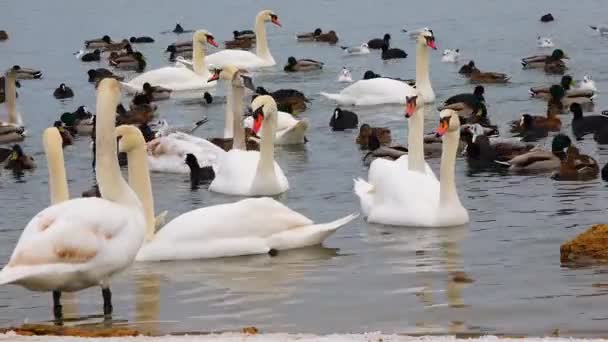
363,49
450,56
345,76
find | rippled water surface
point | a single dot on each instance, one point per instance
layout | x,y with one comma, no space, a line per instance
366,277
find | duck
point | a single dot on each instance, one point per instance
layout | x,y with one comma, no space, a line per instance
450,55
539,61
97,43
362,49
252,173
545,18
123,44
18,160
243,34
538,160
550,122
543,92
481,148
11,130
345,76
3,35
544,42
198,175
297,65
63,92
378,43
135,62
180,78
378,91
478,76
26,73
467,69
583,125
605,173
343,119
112,226
468,104
288,100
245,59
178,29
382,134
96,75
308,36
392,53
400,195
563,101
556,67
141,39
180,47
601,29
66,137
79,122
378,150
94,56
244,44
140,111
330,37
576,167
156,93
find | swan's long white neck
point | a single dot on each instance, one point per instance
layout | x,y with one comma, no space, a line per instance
58,182
238,93
265,170
423,82
448,195
139,180
11,99
198,58
415,138
229,116
112,185
261,42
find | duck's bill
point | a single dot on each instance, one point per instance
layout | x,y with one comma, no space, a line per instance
443,126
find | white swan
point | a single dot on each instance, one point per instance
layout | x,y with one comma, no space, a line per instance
253,173
384,90
401,198
167,153
245,59
180,78
83,242
289,131
11,130
414,160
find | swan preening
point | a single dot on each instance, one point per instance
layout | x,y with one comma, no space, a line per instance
83,242
384,90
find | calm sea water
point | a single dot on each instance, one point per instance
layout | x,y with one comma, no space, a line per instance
366,277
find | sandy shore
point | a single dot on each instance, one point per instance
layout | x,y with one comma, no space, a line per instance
238,337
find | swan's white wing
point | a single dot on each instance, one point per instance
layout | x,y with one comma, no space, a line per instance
70,241
373,92
176,146
174,78
293,135
239,58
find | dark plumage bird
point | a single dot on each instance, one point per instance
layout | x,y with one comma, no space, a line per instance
243,34
330,37
18,161
3,35
66,136
94,56
143,39
296,65
308,36
467,69
288,100
547,18
583,125
343,119
198,175
63,92
467,104
378,43
605,173
392,53
96,75
179,29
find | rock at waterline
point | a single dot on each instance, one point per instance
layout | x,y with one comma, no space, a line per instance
588,247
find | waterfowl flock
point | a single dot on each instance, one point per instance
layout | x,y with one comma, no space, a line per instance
79,243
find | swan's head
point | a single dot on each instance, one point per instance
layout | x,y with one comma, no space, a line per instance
426,37
233,74
129,138
410,105
449,121
264,108
269,16
204,36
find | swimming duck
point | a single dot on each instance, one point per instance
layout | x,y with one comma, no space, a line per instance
550,122
478,76
244,44
345,76
78,122
295,65
179,29
362,49
18,161
198,175
383,134
378,150
343,119
468,68
66,137
480,147
288,100
308,36
605,173
467,104
3,35
156,93
139,40
26,73
96,75
135,62
117,46
128,51
576,167
140,111
243,34
547,18
538,160
3,89
330,37
378,43
180,46
97,43
583,125
94,56
392,53
450,56
539,61
63,92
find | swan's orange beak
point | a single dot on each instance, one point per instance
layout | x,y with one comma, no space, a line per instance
275,20
215,76
258,117
211,41
410,106
430,42
444,123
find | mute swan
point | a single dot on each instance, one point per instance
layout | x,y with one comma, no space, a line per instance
167,153
250,226
377,91
395,197
252,173
180,78
245,59
83,242
11,130
289,131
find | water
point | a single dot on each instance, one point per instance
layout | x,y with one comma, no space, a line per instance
367,277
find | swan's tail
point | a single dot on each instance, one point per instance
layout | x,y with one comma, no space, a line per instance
296,134
363,188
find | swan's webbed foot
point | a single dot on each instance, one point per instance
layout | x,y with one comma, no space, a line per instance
107,302
57,308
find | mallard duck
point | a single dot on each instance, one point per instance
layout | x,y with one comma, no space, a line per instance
383,134
180,46
392,53
96,75
18,161
78,122
63,92
467,69
467,104
66,137
116,46
330,37
480,147
156,93
576,167
478,76
3,35
343,119
94,56
198,175
378,43
135,62
26,73
98,43
550,122
139,40
538,160
243,34
539,61
140,111
308,36
244,44
583,125
296,65
378,150
288,100
567,83
3,89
